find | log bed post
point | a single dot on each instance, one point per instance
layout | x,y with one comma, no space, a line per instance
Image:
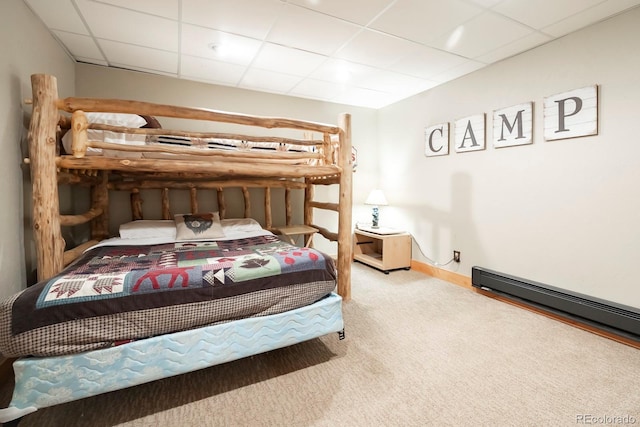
344,208
49,243
287,207
79,126
267,208
222,205
166,207
308,209
100,200
193,194
136,204
247,202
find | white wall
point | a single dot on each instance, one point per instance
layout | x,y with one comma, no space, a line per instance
94,81
564,213
28,48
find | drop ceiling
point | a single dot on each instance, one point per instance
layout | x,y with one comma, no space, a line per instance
368,53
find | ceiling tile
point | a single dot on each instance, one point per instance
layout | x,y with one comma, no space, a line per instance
316,89
213,44
486,3
395,83
481,34
426,62
79,45
123,54
589,16
358,11
211,71
466,67
363,97
424,20
252,18
287,60
60,15
312,31
514,48
376,49
165,8
541,13
123,25
269,81
342,72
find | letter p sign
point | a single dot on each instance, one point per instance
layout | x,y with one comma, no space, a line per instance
571,114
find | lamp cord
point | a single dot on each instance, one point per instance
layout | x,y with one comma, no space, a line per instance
427,258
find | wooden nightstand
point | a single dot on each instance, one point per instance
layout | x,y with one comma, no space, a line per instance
382,251
293,231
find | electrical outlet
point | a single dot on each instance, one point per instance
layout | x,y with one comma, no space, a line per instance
456,256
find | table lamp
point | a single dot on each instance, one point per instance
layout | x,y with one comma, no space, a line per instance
376,198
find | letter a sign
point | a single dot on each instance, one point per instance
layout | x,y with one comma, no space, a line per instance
571,114
469,133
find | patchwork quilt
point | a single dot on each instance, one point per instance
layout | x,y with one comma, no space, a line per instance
120,293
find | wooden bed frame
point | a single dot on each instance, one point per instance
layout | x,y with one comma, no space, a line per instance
330,163
37,379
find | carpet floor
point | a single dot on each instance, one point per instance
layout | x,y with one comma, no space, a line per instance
418,352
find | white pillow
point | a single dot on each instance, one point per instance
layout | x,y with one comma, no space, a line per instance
148,228
113,119
231,225
166,228
195,226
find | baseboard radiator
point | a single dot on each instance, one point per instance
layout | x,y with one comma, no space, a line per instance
612,317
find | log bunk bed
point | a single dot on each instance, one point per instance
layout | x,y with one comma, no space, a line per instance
226,310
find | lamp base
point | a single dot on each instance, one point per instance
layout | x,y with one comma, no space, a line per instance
374,222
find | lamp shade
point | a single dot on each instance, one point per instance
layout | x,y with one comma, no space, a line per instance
376,198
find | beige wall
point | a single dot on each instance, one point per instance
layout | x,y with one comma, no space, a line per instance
27,49
94,81
564,213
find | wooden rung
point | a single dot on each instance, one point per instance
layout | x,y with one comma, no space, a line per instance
136,204
267,207
247,202
222,206
287,206
69,220
166,211
194,199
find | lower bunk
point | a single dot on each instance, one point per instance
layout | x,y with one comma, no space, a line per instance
133,310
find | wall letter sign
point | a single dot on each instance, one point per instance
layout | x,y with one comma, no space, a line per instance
571,114
469,133
436,140
513,125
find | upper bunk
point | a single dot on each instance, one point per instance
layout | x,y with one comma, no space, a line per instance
258,150
322,153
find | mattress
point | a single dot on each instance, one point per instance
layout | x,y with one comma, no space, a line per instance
42,382
133,121
169,142
226,144
117,292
